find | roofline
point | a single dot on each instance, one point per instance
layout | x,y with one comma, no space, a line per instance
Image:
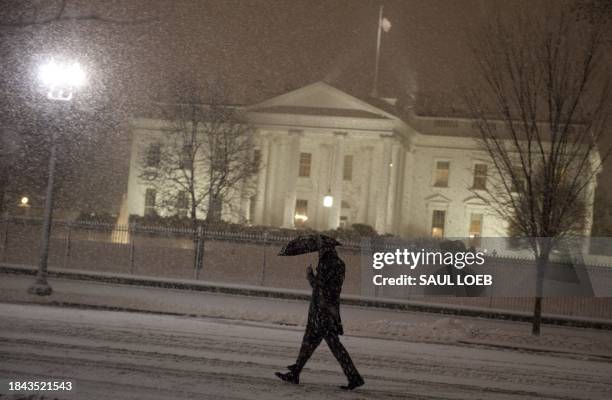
326,85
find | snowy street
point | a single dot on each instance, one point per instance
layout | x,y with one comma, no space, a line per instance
122,355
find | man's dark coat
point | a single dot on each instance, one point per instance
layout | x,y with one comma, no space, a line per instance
324,312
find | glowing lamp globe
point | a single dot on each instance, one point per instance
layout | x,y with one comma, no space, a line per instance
61,79
328,201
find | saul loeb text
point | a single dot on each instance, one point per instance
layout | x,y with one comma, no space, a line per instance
430,259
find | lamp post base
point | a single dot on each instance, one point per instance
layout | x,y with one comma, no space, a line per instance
40,288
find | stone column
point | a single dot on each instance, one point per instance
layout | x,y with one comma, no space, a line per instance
383,185
406,211
400,176
336,179
272,167
394,170
367,212
262,177
292,157
322,184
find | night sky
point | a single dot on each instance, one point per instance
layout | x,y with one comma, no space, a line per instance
261,48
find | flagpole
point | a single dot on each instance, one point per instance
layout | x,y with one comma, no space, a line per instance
375,85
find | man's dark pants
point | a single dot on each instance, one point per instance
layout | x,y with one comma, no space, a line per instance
310,343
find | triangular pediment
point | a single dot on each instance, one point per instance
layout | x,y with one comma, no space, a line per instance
474,201
320,99
437,198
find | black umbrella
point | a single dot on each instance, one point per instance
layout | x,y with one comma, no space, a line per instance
308,244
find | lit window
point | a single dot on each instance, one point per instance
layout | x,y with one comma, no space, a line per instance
347,170
149,208
182,203
442,172
153,155
437,223
301,212
475,229
305,162
480,176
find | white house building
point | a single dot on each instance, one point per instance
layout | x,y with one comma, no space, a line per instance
411,176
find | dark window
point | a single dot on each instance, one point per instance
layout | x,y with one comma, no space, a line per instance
153,155
480,176
252,205
442,172
347,170
518,183
185,161
257,157
149,208
305,163
182,203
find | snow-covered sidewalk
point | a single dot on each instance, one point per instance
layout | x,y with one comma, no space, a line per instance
358,321
121,355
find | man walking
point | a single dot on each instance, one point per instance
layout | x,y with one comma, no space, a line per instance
324,321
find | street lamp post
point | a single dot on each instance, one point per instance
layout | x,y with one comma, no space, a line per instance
61,80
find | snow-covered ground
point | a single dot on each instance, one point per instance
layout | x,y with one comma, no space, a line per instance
125,355
358,321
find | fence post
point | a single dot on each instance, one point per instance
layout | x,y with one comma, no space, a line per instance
263,267
367,248
5,238
131,232
67,246
199,256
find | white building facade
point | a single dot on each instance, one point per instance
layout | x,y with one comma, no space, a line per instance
407,178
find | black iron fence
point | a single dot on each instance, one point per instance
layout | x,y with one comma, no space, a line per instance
248,259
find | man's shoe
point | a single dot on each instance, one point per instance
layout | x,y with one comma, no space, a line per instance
353,384
289,377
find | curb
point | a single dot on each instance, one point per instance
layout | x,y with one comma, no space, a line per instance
254,291
535,349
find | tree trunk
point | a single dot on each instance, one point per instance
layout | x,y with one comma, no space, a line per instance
197,240
541,262
537,317
198,246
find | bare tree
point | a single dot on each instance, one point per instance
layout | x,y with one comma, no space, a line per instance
205,160
541,114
